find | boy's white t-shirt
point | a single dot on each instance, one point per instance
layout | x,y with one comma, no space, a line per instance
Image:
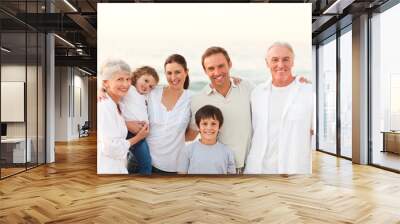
133,106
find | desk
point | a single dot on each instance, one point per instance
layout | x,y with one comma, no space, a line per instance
15,148
391,141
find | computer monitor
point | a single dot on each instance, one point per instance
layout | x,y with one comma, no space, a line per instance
3,129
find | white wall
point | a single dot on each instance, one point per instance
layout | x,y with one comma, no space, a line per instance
33,126
79,112
14,73
70,109
17,73
61,103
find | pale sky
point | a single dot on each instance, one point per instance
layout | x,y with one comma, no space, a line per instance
147,33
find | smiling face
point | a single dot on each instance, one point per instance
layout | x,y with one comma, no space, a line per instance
145,83
217,68
176,75
118,85
208,128
280,62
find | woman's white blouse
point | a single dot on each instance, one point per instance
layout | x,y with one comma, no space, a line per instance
167,129
111,137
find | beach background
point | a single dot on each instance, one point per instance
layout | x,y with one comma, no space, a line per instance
147,33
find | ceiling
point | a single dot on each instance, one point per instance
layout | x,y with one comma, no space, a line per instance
75,23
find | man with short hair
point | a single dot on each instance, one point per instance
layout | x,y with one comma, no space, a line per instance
233,100
282,117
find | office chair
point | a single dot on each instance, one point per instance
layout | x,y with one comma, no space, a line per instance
84,130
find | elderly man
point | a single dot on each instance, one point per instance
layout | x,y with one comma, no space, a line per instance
282,116
232,99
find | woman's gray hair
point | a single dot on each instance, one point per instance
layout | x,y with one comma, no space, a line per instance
281,44
113,66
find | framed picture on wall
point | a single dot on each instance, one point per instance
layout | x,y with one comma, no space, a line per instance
204,88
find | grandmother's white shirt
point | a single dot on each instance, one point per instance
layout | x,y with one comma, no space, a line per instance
167,129
112,146
134,106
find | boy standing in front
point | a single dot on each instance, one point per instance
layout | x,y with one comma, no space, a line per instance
207,155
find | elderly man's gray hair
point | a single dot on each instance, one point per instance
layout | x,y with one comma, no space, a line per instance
281,44
113,66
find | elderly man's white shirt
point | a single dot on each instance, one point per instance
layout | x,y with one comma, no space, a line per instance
293,154
111,137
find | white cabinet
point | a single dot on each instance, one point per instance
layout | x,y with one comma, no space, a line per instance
18,149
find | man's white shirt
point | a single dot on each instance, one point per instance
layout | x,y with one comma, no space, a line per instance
279,96
281,141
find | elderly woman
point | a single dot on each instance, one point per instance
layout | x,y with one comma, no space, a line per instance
112,131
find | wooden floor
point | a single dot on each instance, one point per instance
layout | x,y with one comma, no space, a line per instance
10,171
70,191
5,172
387,159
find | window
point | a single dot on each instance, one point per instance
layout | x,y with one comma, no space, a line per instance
346,94
385,88
327,96
22,67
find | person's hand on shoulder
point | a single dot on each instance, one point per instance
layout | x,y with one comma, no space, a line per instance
101,94
236,80
304,80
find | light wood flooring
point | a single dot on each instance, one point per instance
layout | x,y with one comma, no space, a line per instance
10,171
70,191
5,172
387,159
